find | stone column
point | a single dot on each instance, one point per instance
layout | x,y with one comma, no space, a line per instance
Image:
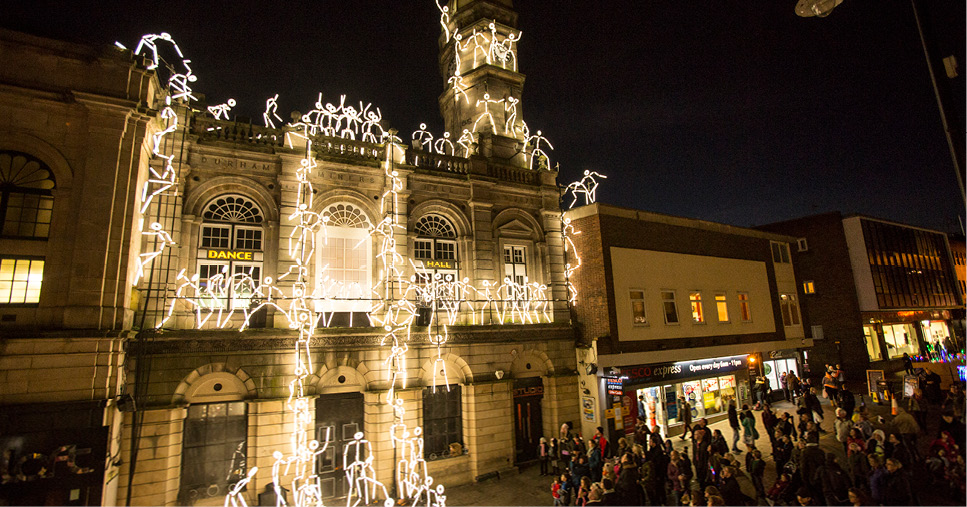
488,423
560,404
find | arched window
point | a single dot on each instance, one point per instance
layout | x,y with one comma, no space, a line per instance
436,240
231,244
26,201
345,265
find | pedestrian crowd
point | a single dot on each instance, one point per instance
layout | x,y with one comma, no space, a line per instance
880,463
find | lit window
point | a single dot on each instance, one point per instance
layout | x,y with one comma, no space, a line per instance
214,449
698,316
790,310
436,241
514,266
722,307
872,343
442,420
26,200
780,253
638,307
232,224
346,254
670,306
808,287
745,310
20,280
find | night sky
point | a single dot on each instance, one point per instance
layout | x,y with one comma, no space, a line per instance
734,112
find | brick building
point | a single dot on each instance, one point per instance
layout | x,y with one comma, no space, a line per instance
176,415
673,307
877,290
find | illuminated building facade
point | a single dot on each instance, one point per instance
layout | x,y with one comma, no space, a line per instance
672,307
112,318
876,289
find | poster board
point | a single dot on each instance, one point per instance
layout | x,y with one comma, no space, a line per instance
872,377
910,383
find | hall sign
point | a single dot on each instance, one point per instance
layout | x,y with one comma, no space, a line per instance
683,369
230,255
440,264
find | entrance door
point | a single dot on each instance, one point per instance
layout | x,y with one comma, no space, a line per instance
342,415
528,425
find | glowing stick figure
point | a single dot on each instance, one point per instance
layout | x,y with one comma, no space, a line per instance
444,18
234,497
163,238
150,43
179,83
537,153
510,113
466,141
372,119
479,48
502,51
456,81
486,101
359,473
424,138
220,112
587,186
271,106
443,143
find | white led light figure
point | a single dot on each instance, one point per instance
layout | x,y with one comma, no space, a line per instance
568,231
162,240
149,42
481,46
466,142
510,113
456,81
220,112
537,154
444,17
271,106
371,120
502,51
179,83
586,186
486,101
235,497
423,138
443,145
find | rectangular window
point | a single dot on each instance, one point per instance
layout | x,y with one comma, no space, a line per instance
216,236
790,310
745,310
722,307
695,298
423,249
248,238
446,250
244,286
872,343
214,448
27,215
514,266
638,307
808,287
802,244
442,421
900,338
670,306
20,280
780,253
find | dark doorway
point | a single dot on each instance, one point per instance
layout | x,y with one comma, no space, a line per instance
342,415
528,424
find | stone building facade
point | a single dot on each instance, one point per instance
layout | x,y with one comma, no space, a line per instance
179,403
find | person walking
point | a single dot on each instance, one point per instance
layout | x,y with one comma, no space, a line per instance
792,384
686,413
734,424
830,387
749,432
783,386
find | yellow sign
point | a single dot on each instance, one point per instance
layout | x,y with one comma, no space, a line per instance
440,264
229,255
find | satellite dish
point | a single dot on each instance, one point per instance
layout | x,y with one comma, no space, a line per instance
818,8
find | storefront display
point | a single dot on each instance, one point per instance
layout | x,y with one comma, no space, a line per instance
900,339
937,335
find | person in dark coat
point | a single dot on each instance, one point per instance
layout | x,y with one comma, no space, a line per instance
579,469
734,424
847,401
702,441
719,444
835,481
730,489
952,425
811,458
627,487
897,490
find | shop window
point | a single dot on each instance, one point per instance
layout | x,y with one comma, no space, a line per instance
900,339
872,343
26,198
670,306
344,256
745,310
790,310
515,264
213,449
780,252
695,299
638,316
808,287
20,280
442,420
722,307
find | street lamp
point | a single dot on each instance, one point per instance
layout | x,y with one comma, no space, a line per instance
822,8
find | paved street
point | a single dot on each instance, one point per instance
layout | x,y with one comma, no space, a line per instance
529,488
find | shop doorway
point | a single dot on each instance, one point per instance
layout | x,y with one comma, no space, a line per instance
528,423
342,416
